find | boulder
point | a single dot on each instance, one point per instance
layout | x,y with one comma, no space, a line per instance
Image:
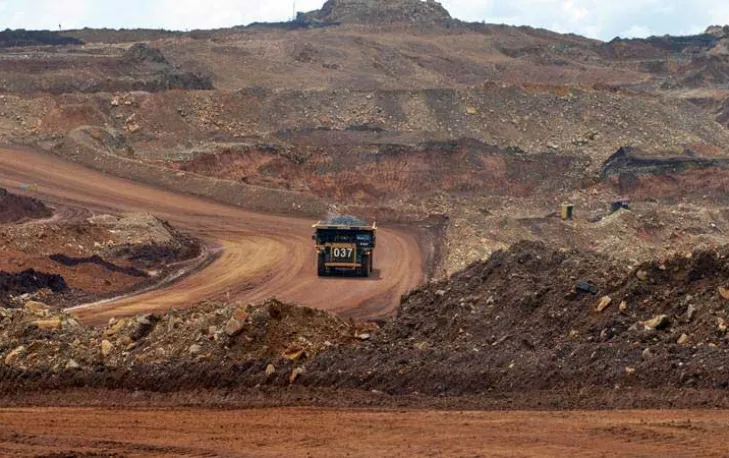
13,356
603,303
106,348
142,326
234,327
296,373
36,307
691,312
657,322
721,324
50,324
115,327
724,292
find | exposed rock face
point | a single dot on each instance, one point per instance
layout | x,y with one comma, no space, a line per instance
378,12
718,31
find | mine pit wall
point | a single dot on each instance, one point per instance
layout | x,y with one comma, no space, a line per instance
531,119
382,174
670,179
89,147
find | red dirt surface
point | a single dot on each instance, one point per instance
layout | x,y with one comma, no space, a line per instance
56,432
261,255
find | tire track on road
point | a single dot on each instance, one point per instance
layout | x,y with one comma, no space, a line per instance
262,255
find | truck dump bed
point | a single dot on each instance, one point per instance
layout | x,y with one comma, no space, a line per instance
344,243
344,223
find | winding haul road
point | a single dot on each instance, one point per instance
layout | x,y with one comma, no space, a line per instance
260,255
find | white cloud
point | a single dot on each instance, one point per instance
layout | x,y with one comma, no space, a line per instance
637,31
44,14
189,14
574,13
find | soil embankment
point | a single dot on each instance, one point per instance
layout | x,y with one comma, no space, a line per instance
530,327
15,208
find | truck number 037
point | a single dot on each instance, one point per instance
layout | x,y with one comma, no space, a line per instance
342,252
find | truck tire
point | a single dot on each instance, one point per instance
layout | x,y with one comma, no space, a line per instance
365,268
321,269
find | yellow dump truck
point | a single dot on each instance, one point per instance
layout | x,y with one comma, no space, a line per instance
344,244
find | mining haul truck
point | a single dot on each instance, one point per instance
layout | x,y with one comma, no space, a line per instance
344,244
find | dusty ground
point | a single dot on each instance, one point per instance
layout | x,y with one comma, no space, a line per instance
97,257
324,432
365,116
261,256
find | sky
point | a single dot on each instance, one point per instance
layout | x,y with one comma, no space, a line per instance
592,18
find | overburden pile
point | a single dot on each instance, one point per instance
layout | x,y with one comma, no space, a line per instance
15,208
528,320
532,318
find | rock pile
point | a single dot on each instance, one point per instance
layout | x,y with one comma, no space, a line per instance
532,318
28,282
528,320
378,12
39,339
15,208
89,260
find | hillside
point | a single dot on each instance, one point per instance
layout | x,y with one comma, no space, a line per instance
395,110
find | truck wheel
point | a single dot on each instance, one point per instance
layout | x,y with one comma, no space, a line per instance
365,269
321,269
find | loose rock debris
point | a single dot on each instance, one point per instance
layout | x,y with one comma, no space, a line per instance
512,323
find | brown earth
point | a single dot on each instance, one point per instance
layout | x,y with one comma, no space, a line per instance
15,209
483,129
399,110
92,257
261,256
531,327
141,432
535,319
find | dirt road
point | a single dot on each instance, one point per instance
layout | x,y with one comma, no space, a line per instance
260,255
324,432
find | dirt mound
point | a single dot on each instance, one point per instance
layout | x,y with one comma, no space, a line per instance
631,161
14,208
103,256
528,320
140,53
191,341
118,36
106,69
378,12
27,282
656,47
531,319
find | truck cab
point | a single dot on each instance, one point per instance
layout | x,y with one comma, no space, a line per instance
344,244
